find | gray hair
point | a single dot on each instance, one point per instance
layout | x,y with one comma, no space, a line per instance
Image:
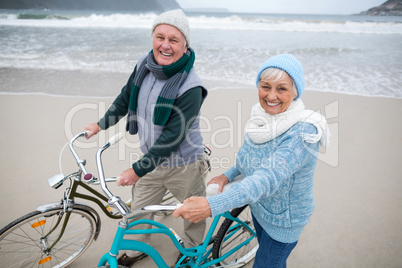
276,74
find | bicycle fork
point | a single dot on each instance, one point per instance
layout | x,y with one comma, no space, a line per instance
63,214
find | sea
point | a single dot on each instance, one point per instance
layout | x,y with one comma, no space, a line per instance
349,54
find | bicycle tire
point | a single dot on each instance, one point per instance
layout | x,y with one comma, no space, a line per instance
21,242
226,240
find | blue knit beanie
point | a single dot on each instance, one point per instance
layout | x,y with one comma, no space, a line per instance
289,64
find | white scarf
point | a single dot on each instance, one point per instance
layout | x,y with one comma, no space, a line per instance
264,127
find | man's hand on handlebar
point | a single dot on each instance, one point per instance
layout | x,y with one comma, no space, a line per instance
128,177
92,129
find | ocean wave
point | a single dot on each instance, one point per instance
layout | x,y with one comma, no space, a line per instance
230,22
24,16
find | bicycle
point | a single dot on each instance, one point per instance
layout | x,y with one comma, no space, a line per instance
234,244
56,234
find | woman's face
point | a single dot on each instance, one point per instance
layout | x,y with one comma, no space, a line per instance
168,44
276,97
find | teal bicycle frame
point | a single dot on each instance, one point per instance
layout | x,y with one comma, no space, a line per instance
199,256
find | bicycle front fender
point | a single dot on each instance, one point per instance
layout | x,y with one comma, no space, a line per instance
50,206
76,205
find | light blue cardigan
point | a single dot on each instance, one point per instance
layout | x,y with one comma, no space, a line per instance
278,183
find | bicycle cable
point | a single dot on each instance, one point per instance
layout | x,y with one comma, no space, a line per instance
61,152
67,191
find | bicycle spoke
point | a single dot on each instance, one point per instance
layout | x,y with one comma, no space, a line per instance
26,243
236,240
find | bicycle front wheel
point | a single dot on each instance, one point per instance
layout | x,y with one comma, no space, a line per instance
231,234
25,242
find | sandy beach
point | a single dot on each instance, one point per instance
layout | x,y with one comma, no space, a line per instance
358,183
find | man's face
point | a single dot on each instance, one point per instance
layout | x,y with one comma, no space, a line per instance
168,44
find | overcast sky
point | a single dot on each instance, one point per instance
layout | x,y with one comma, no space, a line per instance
286,6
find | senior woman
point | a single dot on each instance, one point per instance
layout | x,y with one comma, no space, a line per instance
162,98
277,160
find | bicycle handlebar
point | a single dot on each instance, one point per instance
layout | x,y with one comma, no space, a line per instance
88,177
121,206
80,162
115,139
113,200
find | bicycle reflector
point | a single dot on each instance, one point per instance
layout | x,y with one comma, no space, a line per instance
42,261
38,224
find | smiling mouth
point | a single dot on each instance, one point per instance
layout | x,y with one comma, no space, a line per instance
166,54
272,104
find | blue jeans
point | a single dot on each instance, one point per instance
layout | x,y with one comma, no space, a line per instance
271,253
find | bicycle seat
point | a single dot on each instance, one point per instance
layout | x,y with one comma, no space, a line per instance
212,189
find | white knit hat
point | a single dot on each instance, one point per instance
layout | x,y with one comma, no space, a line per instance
175,18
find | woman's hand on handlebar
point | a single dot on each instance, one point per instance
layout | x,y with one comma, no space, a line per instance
128,177
92,129
221,180
194,209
